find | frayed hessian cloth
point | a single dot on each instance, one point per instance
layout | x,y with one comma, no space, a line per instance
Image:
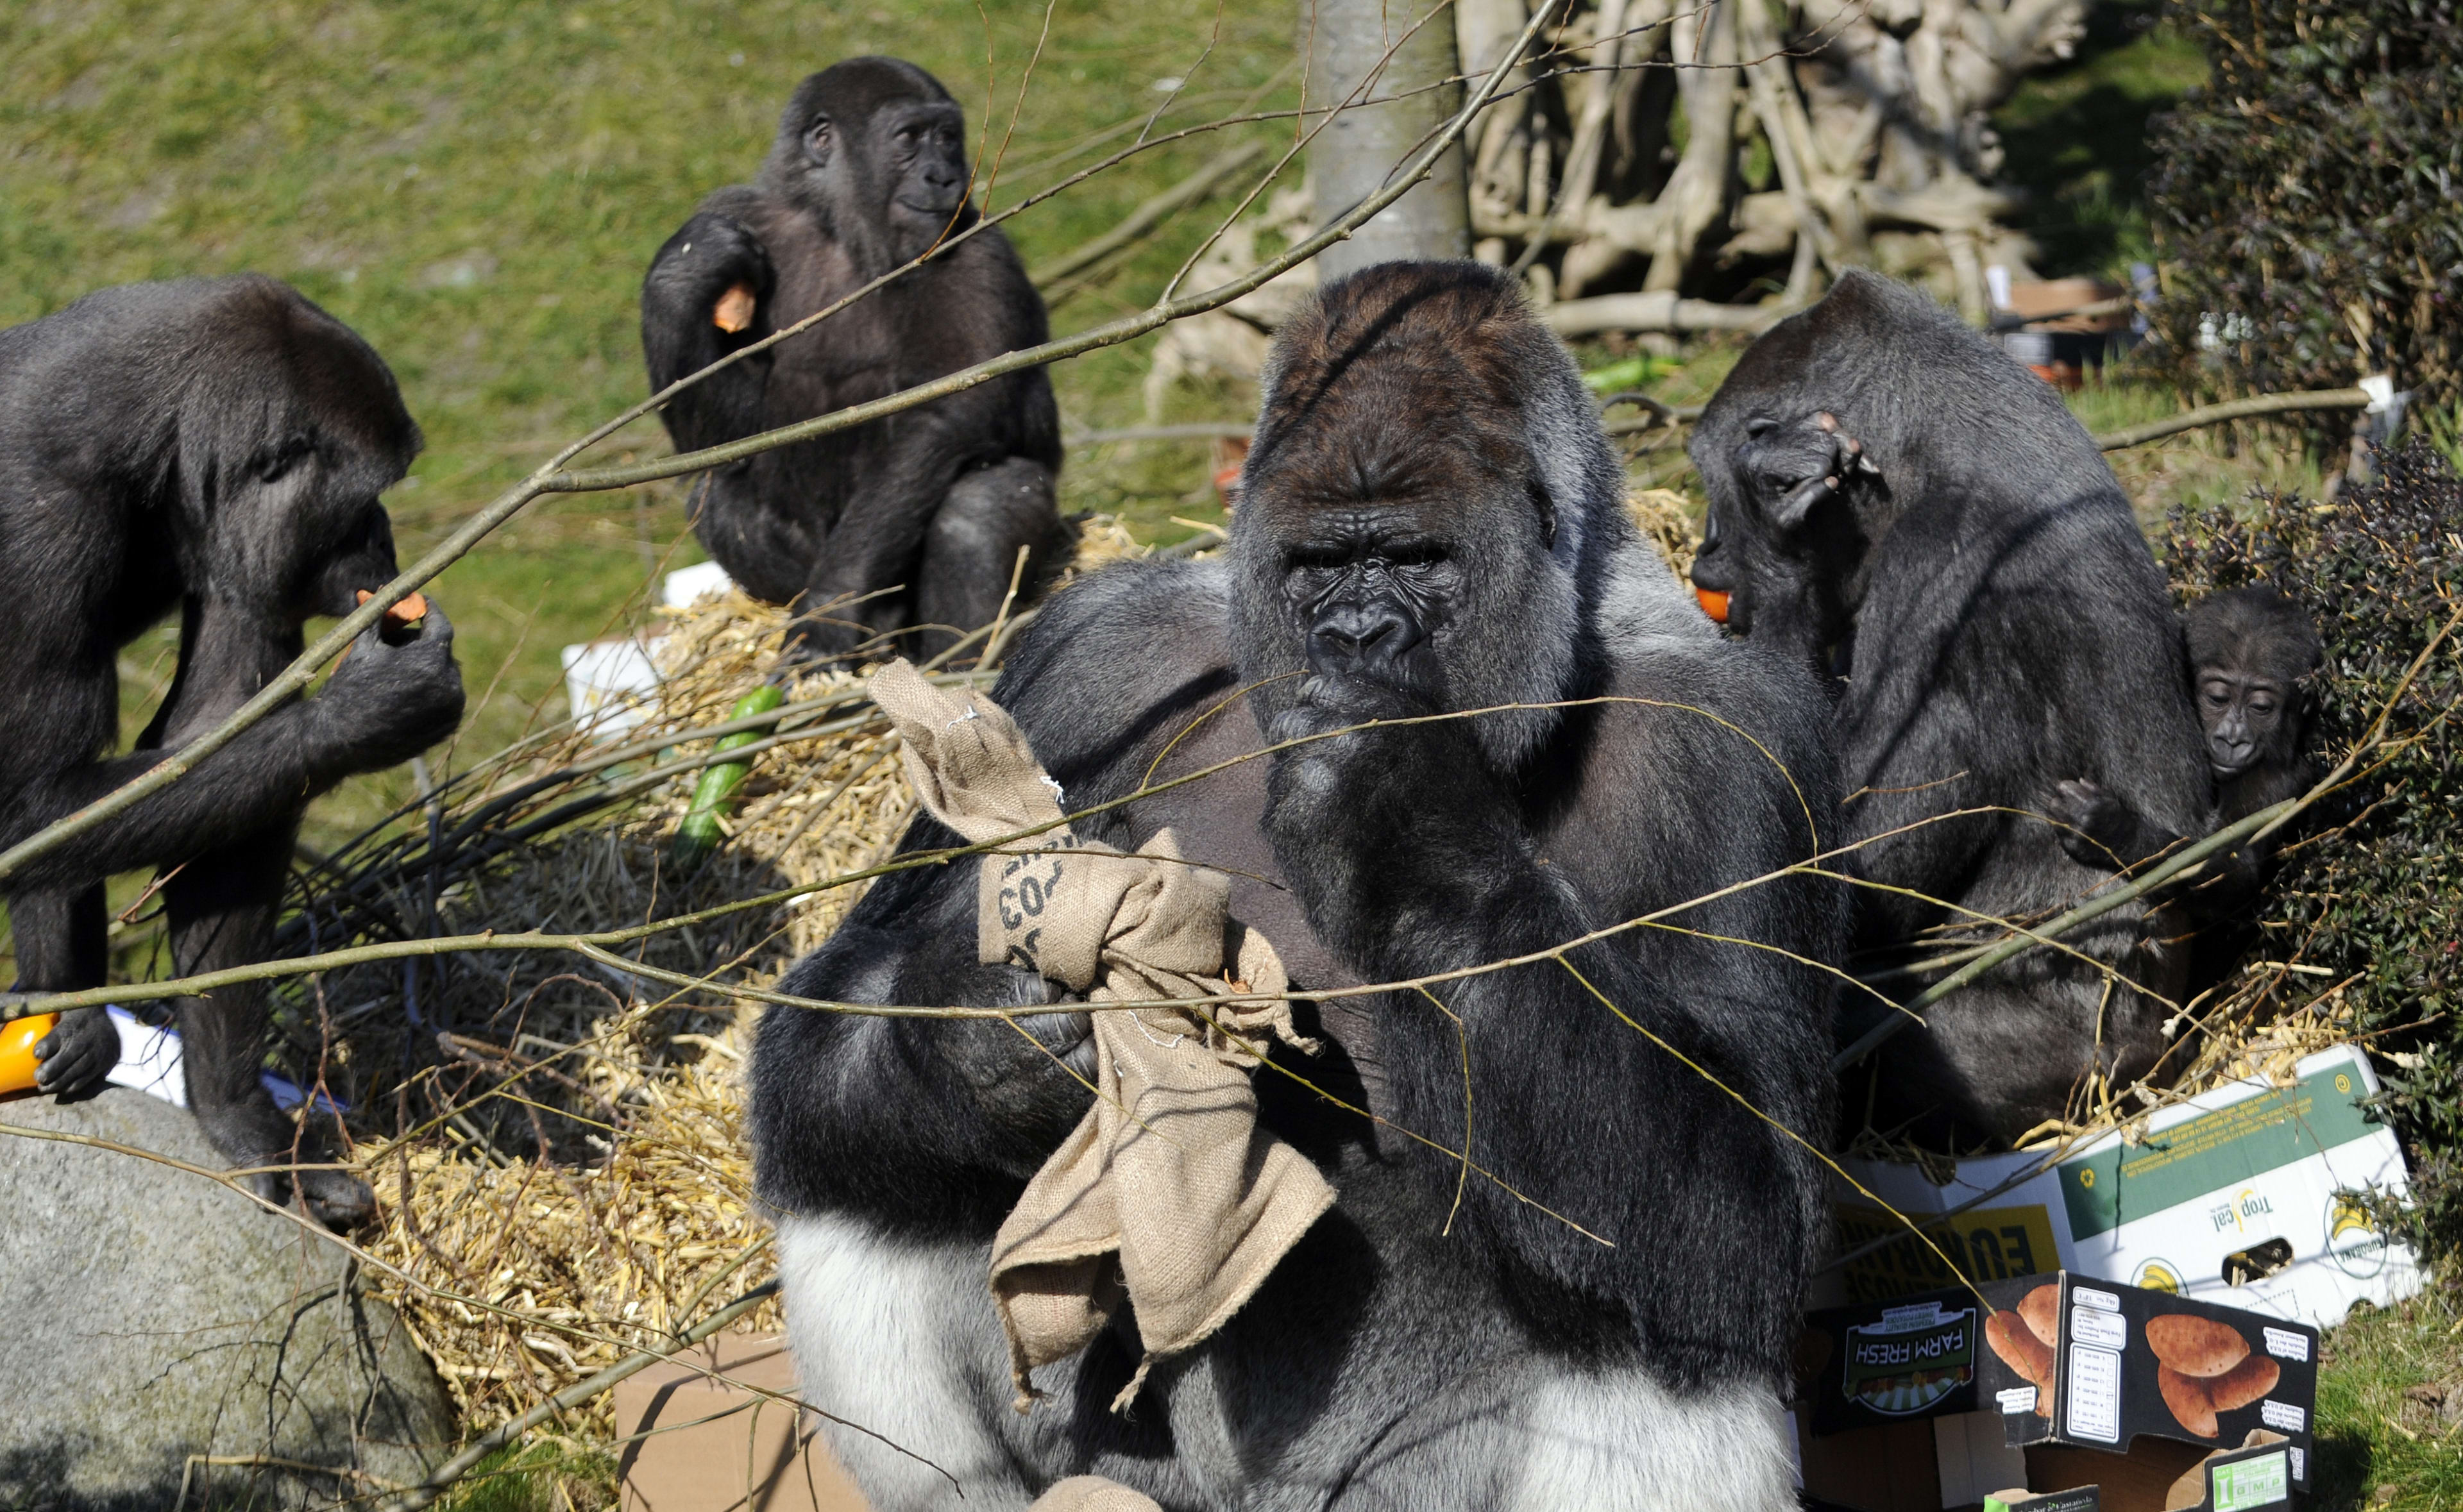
1167,1189
1093,1494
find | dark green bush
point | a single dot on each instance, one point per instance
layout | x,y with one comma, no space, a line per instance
2373,887
2307,204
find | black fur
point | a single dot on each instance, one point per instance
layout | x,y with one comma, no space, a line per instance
867,172
1427,463
2009,629
214,446
2252,655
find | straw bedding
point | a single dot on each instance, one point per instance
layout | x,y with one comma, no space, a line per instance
572,1151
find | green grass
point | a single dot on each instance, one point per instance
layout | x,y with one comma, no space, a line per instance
2389,1425
477,188
540,1477
2075,138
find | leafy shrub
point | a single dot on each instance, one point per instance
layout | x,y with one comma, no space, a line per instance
2307,204
2373,889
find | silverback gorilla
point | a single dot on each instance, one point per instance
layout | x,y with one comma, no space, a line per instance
1431,521
1881,478
911,521
215,445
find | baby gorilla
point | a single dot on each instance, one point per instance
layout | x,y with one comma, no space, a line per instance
2251,656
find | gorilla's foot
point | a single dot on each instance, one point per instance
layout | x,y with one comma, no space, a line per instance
256,1135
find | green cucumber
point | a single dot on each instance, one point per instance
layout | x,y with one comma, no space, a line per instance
701,833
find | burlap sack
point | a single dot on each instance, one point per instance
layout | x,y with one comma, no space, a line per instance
1093,1494
1167,1189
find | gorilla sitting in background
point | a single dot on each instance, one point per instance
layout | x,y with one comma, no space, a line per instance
1883,482
217,447
1431,523
869,170
2251,656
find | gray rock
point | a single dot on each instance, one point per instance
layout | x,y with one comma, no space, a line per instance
148,1316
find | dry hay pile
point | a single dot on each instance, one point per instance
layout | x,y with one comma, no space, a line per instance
572,1151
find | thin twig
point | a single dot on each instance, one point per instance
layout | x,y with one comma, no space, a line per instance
2234,409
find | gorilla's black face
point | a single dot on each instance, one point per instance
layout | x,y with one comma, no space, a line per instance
1370,586
361,561
878,149
1781,529
2246,715
2251,652
292,525
1398,532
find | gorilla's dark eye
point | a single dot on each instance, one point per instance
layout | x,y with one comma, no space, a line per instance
1759,424
283,458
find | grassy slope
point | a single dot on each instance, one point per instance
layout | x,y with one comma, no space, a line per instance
477,188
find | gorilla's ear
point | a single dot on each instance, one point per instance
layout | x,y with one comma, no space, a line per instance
817,140
1545,503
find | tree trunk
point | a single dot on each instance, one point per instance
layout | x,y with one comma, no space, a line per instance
1347,43
1704,45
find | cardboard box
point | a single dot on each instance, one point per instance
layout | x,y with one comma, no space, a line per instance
2238,1196
702,1433
2131,1389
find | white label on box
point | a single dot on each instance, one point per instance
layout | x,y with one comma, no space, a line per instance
2089,1297
2285,1345
2249,1485
2095,1394
2015,1401
2106,1331
2299,1465
2283,1415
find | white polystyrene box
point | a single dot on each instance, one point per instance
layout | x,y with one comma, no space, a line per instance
2240,1196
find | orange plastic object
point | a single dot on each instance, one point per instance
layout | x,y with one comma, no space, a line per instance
410,611
1714,605
18,1038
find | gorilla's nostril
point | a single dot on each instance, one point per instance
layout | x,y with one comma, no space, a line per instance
1352,636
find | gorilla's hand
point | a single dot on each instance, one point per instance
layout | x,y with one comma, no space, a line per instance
387,703
2095,826
1796,466
1387,832
72,1060
716,261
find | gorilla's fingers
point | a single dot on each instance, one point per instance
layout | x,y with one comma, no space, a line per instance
75,1057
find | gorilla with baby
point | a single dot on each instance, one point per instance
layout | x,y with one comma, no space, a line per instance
913,522
1599,1309
1890,493
217,447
